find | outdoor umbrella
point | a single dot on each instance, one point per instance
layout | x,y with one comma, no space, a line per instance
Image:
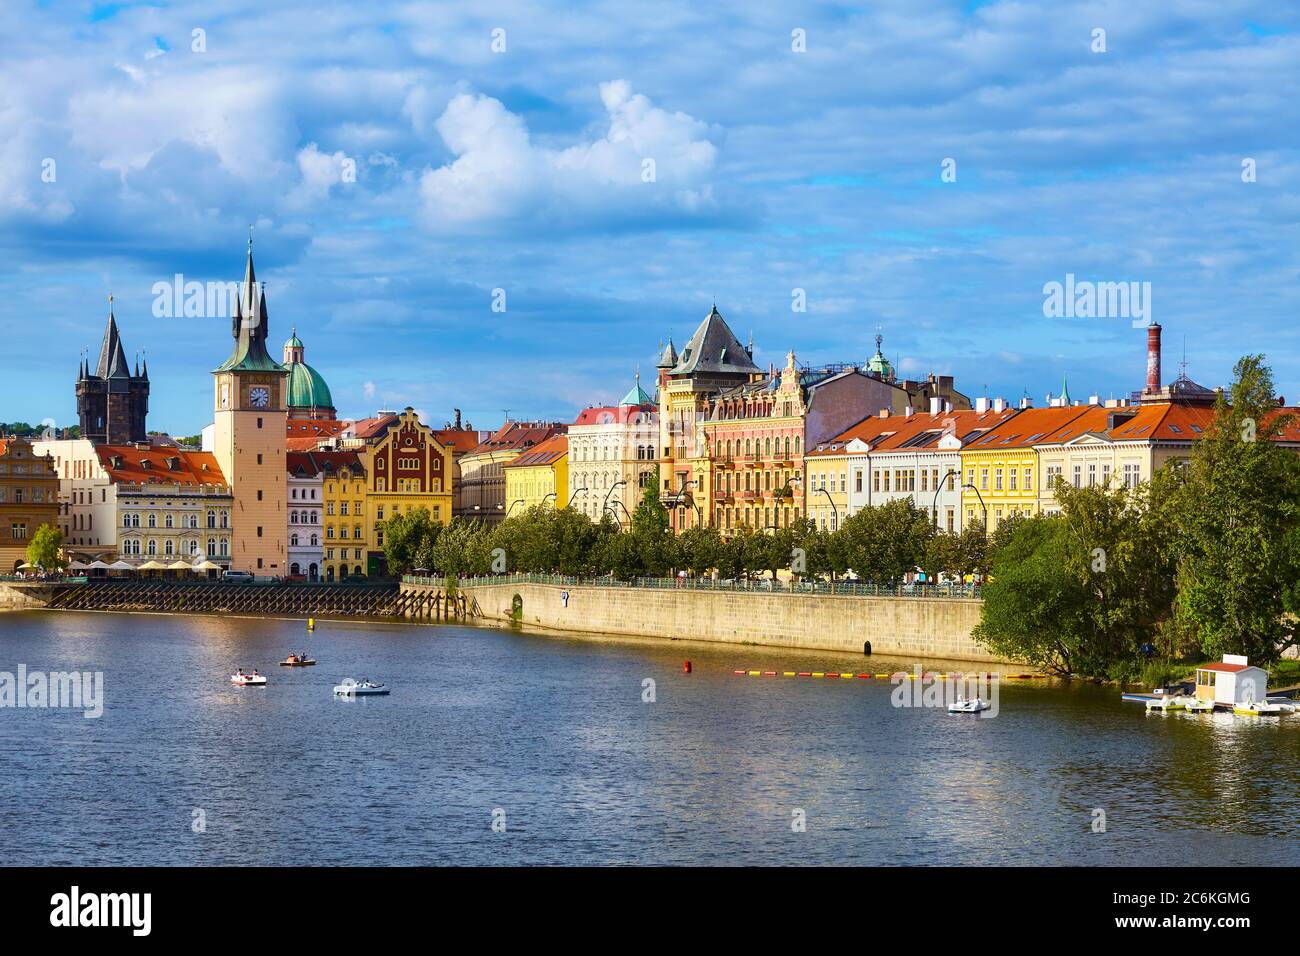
120,566
151,566
97,566
76,566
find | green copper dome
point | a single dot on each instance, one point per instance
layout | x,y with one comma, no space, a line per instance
294,342
307,389
879,365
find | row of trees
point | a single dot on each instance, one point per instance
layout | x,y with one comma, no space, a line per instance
884,544
1202,560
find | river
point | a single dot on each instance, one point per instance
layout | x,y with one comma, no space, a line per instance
552,738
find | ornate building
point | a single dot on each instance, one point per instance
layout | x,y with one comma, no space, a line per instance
483,480
29,498
249,436
612,456
113,402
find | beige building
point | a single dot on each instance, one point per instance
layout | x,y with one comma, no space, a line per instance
482,470
249,437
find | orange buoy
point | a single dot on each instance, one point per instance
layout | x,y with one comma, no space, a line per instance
686,667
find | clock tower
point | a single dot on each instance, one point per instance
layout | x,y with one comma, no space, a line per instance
250,425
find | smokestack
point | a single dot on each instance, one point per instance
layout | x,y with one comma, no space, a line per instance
1153,358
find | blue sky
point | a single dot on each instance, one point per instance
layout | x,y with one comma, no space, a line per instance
522,170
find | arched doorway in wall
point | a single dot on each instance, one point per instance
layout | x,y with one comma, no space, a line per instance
313,572
295,568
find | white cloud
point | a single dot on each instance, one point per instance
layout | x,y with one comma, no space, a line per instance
500,174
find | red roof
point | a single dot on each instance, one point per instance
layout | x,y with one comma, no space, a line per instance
126,463
372,427
607,414
545,453
320,427
459,440
1228,668
518,436
1031,426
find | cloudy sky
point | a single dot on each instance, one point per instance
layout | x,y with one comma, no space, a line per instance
401,161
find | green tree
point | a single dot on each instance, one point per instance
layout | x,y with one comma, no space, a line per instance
45,548
408,539
1238,512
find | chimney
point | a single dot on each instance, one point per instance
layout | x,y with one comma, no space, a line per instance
1094,399
1153,358
457,411
884,413
947,406
936,405
982,404
999,405
909,411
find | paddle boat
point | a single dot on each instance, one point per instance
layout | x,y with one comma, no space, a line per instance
248,680
297,660
1286,704
1168,703
968,705
1259,708
363,687
1196,705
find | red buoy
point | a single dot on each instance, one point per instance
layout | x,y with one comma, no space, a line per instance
686,667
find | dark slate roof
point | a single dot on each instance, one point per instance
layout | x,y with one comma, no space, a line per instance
112,358
714,349
249,328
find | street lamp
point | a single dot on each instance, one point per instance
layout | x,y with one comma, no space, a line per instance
835,513
517,501
544,497
939,487
982,505
575,494
610,492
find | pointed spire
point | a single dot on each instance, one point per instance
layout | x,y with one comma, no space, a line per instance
144,364
1064,398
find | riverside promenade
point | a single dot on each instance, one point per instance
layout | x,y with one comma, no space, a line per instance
932,622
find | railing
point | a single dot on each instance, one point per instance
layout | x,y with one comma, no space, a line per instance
759,585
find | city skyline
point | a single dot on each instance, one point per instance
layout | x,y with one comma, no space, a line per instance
522,170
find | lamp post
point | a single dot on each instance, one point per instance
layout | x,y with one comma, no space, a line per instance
935,504
544,497
982,505
835,514
517,501
575,494
610,492
681,493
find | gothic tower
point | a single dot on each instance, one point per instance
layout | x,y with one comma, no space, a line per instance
250,422
112,403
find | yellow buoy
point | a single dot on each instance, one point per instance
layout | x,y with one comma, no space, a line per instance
311,624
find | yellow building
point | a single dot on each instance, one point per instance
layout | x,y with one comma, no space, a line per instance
539,476
343,507
827,484
1001,470
407,469
29,498
482,470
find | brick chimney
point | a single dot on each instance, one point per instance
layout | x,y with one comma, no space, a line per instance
1153,358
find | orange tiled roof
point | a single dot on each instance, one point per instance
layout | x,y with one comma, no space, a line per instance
162,465
923,431
1030,426
459,440
519,435
318,427
544,453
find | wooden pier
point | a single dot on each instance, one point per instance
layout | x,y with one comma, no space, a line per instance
370,600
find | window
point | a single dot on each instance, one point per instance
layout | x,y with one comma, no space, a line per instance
259,455
259,530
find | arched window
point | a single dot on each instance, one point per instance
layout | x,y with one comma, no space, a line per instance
315,540
212,547
153,546
169,547
153,520
293,540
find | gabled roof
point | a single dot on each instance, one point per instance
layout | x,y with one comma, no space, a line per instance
923,431
372,427
1228,668
459,440
516,436
1029,426
714,349
637,395
545,453
126,463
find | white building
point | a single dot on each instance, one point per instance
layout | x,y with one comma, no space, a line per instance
306,477
1232,682
87,499
612,456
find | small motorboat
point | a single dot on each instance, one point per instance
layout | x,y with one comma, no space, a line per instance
297,660
248,680
1259,708
968,705
362,688
1285,704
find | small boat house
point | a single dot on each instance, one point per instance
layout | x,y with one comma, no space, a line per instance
1232,682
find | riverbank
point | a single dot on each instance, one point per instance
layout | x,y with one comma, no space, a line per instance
904,627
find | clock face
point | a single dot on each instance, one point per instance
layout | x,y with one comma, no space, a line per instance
259,396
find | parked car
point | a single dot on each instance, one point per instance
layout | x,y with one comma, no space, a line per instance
237,577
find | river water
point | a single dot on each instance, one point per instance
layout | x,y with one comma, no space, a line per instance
551,738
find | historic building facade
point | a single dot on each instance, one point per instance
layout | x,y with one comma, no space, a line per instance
408,469
29,498
612,456
482,470
343,506
249,436
113,401
540,476
305,479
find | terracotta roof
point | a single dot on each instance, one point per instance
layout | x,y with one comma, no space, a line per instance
160,465
1093,419
372,427
459,440
518,435
609,414
331,462
302,444
322,427
1226,668
1029,426
545,453
923,430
